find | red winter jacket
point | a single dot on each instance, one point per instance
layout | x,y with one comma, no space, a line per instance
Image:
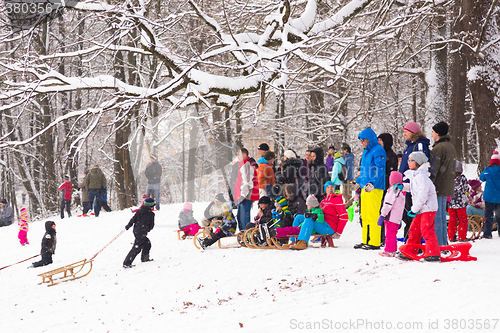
66,187
334,211
247,183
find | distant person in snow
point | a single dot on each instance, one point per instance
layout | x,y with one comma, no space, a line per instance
66,188
7,214
153,174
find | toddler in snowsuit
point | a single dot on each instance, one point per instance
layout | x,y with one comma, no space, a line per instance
457,208
23,227
66,189
391,214
424,206
187,223
228,227
49,242
491,196
143,222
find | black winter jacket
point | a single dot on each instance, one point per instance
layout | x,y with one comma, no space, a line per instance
49,239
153,173
143,221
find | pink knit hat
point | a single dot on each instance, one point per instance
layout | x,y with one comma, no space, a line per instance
495,158
412,127
395,178
188,206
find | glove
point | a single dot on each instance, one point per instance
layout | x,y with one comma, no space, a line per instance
398,186
381,220
369,187
336,235
311,216
412,214
127,227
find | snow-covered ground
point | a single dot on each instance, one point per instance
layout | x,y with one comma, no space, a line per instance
226,290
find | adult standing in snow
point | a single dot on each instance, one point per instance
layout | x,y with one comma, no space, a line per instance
246,189
386,140
319,174
153,174
95,182
266,174
143,222
444,182
85,195
337,168
415,141
305,174
66,188
7,214
491,196
372,182
330,158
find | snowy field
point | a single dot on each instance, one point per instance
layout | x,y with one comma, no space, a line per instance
226,290
239,290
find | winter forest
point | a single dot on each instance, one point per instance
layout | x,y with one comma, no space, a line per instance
110,82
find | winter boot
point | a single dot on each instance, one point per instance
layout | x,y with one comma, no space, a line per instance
300,245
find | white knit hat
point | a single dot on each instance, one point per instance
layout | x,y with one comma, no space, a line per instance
312,201
289,154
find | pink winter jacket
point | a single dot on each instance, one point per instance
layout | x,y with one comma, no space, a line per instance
394,205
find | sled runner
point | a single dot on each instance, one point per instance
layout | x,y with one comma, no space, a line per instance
454,252
73,271
207,232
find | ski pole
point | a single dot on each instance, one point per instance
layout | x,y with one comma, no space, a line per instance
19,262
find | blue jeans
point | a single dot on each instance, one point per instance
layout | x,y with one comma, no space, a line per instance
491,215
474,211
440,225
243,215
156,189
95,198
308,226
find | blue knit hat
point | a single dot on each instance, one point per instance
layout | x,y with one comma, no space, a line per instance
329,183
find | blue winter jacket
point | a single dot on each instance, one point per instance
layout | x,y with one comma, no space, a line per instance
372,161
491,175
337,167
422,145
349,164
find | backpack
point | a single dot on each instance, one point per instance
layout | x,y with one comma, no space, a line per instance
432,161
342,173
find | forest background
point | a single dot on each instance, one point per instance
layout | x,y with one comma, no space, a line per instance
110,82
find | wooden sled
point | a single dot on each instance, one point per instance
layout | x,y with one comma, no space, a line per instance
70,272
206,232
453,252
474,226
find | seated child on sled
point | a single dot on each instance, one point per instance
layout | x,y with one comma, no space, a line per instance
187,223
228,227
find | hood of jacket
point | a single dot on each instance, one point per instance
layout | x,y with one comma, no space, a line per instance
48,227
387,140
369,134
320,156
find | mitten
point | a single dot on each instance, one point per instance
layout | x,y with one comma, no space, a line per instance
127,227
412,214
398,186
336,235
381,220
369,187
311,216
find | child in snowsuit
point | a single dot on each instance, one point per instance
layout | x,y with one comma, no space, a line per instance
228,227
424,206
23,227
66,189
491,196
187,223
457,208
49,242
391,214
312,220
143,222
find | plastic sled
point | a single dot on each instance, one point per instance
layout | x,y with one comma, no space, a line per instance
456,252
